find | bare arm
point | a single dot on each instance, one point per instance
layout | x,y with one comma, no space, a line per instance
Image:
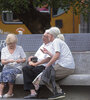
41,62
29,59
54,58
21,60
44,61
3,61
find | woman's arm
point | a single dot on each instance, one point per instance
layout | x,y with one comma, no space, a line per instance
3,61
21,60
54,58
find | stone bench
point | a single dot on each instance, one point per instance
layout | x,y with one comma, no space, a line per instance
81,76
80,47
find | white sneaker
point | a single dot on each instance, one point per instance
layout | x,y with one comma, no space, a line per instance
7,95
1,96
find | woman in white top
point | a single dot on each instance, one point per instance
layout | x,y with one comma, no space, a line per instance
62,59
61,54
12,57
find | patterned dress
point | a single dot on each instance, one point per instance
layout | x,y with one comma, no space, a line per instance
9,75
11,70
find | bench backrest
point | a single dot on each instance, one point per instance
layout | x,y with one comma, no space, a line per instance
82,62
76,42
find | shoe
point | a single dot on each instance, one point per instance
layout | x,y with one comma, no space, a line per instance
30,96
7,95
1,96
57,96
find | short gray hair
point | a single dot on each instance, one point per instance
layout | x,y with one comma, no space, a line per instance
11,38
61,36
55,31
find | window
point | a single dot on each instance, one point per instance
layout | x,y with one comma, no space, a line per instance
58,11
9,18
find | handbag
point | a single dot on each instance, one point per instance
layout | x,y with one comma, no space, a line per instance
34,59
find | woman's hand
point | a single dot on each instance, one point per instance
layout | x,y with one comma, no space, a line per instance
10,60
3,61
32,63
22,60
19,60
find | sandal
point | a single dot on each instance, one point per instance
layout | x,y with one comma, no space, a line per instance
1,96
7,95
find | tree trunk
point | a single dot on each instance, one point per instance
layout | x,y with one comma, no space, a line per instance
35,21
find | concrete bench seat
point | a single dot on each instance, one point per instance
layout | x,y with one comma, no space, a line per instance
71,80
76,80
81,76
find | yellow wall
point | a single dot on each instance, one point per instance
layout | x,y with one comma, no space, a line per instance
67,20
11,28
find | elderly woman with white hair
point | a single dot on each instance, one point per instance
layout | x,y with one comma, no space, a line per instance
62,59
12,57
57,33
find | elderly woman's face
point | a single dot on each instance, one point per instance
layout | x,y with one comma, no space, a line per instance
11,45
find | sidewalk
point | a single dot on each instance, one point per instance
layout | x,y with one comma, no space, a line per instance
20,99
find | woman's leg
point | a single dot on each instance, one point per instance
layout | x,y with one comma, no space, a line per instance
12,75
10,91
1,83
61,73
1,88
9,76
